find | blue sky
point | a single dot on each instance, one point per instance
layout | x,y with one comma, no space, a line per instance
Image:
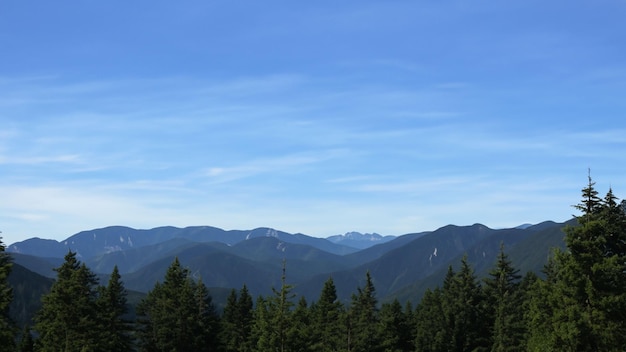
316,117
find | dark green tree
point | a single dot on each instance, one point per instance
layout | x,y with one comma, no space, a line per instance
177,315
237,321
7,328
112,306
394,329
326,320
363,319
432,331
299,331
69,319
26,344
464,310
585,292
273,318
504,303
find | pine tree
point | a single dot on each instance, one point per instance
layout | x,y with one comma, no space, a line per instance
274,318
69,319
463,303
504,302
364,318
177,315
112,306
394,328
246,319
27,344
7,328
432,331
299,331
326,314
229,336
586,298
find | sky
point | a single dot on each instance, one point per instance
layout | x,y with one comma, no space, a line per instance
317,117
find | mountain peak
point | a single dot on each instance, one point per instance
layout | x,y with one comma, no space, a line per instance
359,240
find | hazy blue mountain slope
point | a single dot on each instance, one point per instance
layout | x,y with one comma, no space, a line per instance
528,252
39,265
215,268
28,287
374,252
134,259
408,263
93,244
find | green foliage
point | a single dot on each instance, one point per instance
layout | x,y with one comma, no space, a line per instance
237,321
395,328
583,301
26,344
363,319
504,303
326,320
273,319
431,323
69,318
177,315
7,328
112,308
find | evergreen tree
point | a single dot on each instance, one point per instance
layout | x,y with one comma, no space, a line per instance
463,304
300,332
274,318
229,336
246,319
27,344
177,315
432,331
539,309
394,328
364,319
504,304
326,314
7,328
69,319
586,292
112,306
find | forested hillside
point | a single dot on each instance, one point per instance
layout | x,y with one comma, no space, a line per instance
576,303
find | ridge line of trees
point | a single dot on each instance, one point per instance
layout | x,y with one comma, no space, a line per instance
580,305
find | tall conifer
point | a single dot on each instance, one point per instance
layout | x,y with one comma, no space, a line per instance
7,329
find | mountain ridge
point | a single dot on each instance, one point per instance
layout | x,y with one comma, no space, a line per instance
403,267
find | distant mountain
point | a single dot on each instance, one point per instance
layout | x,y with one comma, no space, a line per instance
401,267
359,240
98,242
28,287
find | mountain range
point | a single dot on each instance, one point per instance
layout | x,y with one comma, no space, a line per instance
401,267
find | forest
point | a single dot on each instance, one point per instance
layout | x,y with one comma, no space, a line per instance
577,303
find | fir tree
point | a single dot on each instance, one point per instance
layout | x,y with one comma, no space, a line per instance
432,331
229,336
463,304
394,328
7,328
112,306
177,315
274,318
69,319
300,332
364,318
27,344
326,314
586,299
504,303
